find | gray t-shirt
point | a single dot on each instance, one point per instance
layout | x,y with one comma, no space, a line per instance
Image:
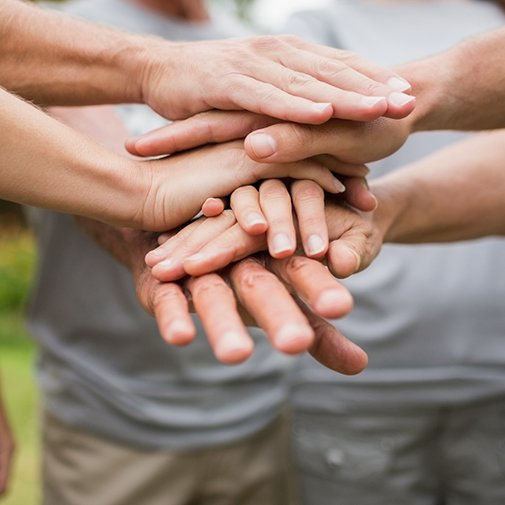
432,317
103,366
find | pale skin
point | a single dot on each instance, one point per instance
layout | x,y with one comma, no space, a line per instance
291,328
71,62
454,91
455,194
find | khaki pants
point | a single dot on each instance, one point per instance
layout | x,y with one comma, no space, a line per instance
83,469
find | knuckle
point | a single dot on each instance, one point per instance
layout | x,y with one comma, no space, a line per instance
306,191
296,265
210,287
269,42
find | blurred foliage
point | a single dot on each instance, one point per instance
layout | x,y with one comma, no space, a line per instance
17,262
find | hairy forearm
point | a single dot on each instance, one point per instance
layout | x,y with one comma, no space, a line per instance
461,89
63,169
456,194
53,59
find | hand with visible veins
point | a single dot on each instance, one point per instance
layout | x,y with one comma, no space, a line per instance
292,327
452,93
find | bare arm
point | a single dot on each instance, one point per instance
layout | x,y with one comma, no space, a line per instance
56,60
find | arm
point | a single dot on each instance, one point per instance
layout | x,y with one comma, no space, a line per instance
66,171
461,89
56,60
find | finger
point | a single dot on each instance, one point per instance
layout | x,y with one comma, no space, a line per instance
341,168
287,142
213,207
305,169
308,201
348,92
273,308
358,194
348,71
204,128
172,267
312,282
276,205
246,207
376,72
169,241
215,305
232,245
171,311
267,99
332,349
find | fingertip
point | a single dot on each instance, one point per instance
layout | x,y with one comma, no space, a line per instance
179,333
280,246
154,257
212,207
167,270
293,338
233,347
399,84
343,261
261,145
130,146
400,105
333,303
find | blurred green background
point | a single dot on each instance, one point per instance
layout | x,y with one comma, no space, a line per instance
17,262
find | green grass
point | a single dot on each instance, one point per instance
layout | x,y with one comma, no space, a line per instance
16,367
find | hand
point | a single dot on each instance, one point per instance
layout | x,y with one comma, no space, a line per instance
283,77
7,447
212,171
291,326
211,244
348,144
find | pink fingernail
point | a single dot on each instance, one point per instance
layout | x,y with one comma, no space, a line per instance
262,144
370,101
338,185
156,252
398,84
321,107
253,219
281,243
315,245
400,99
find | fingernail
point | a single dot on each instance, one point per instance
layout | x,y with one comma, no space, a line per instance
253,218
281,243
156,252
398,84
370,101
230,342
321,107
166,263
262,144
338,185
315,245
400,98
358,259
196,257
293,338
176,330
330,300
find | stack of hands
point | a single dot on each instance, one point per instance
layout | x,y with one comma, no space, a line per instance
267,244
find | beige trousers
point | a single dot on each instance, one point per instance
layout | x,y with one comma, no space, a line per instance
83,469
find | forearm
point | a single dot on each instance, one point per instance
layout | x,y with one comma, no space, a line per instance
456,194
53,59
461,89
62,169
